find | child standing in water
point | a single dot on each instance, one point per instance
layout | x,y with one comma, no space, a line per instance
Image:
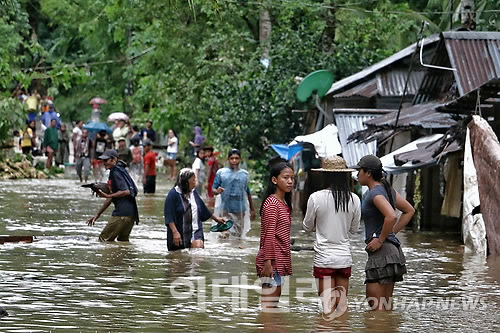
274,260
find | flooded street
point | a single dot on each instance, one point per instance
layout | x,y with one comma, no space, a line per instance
67,281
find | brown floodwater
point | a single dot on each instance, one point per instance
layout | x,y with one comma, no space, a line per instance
67,281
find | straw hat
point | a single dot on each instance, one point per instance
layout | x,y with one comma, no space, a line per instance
334,164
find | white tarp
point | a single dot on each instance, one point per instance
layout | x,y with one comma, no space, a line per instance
325,141
388,160
473,227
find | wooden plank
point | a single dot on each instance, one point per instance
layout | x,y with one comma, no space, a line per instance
16,239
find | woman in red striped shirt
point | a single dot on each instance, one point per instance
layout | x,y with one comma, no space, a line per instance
274,259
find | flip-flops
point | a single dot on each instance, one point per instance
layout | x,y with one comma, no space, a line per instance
222,226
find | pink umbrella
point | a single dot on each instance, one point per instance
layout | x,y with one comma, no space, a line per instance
117,116
98,100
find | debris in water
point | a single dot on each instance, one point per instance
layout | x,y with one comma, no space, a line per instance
3,312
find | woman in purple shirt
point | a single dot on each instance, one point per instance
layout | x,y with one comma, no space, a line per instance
199,139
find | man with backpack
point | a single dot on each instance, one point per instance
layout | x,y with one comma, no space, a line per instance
122,193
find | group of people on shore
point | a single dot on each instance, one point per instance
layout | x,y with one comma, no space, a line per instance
134,149
54,138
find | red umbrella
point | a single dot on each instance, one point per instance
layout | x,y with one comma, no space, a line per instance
98,100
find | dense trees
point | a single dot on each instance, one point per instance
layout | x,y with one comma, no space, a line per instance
183,63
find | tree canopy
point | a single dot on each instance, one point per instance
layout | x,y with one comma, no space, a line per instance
197,62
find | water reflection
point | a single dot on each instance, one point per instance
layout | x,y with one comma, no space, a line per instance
340,324
272,322
116,254
68,281
148,207
382,321
493,264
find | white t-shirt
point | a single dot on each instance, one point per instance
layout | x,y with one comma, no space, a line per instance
332,246
198,165
194,210
119,133
172,148
78,131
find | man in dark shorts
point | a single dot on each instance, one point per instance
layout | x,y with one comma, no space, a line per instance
149,178
122,192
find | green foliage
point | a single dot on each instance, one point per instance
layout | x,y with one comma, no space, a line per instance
12,115
197,62
446,14
55,170
13,29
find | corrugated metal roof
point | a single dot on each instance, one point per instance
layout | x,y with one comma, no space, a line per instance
336,86
392,83
374,112
467,103
367,89
387,83
420,115
475,55
437,83
348,124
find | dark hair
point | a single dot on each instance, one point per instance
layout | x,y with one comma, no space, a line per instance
379,176
135,128
183,180
271,187
135,141
233,151
171,129
340,184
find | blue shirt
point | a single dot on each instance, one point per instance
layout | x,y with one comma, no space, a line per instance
48,116
373,218
236,190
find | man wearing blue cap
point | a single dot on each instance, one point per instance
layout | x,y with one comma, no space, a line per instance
122,193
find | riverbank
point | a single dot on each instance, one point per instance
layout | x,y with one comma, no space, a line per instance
20,166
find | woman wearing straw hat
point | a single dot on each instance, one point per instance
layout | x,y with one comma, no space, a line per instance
333,212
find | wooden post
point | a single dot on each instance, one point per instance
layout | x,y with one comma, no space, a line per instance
16,239
468,14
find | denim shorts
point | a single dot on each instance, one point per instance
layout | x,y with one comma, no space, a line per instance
268,282
171,156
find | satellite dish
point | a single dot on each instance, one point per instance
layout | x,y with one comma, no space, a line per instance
317,83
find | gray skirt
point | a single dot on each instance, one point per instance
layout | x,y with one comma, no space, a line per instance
386,265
